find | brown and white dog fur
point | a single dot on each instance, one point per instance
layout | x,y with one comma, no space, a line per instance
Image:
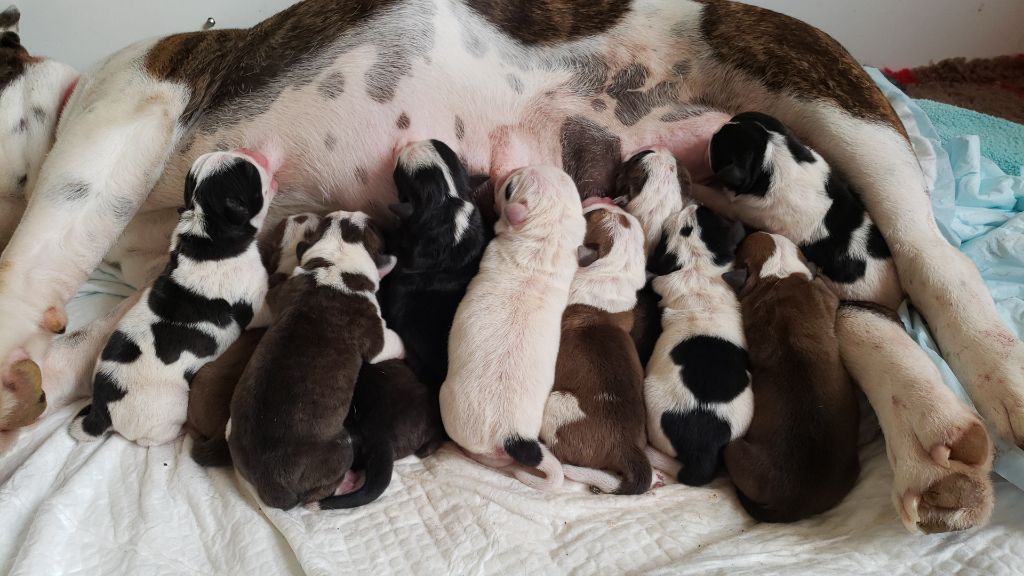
286,434
209,396
799,457
938,447
575,83
595,416
504,340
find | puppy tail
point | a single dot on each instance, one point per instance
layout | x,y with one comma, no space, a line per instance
379,465
211,452
636,471
90,423
533,454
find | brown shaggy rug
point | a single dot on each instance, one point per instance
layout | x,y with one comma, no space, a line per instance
994,86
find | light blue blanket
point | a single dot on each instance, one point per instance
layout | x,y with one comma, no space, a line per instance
978,208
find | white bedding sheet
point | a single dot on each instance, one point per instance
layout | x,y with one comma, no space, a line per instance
116,508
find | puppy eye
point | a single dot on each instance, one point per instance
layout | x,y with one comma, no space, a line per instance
686,230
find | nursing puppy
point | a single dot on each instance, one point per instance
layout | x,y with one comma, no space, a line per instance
799,457
209,396
776,184
594,419
393,416
504,340
286,434
698,385
439,243
206,296
650,186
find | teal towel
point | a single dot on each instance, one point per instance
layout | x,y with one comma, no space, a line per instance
1002,141
979,207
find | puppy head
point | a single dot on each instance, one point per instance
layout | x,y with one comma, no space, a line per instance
429,176
650,186
695,237
750,148
536,200
279,251
350,243
22,399
613,236
763,255
229,191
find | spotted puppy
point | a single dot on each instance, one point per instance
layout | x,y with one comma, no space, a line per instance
777,184
286,434
799,457
504,340
594,419
651,186
393,416
698,384
439,243
201,303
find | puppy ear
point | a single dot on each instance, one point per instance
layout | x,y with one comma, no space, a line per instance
662,262
586,255
402,209
300,250
517,213
732,177
385,264
736,278
236,211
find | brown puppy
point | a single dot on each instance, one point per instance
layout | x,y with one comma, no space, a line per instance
286,433
594,418
799,457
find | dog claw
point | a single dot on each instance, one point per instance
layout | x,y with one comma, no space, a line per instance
940,455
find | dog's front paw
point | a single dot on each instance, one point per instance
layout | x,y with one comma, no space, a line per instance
942,471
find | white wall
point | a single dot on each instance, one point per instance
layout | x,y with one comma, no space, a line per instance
892,33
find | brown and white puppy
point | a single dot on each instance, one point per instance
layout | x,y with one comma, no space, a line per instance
651,186
33,91
504,340
939,450
595,417
287,433
799,457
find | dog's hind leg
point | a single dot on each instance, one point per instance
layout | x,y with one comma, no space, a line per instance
119,129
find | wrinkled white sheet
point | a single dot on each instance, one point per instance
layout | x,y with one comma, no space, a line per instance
115,508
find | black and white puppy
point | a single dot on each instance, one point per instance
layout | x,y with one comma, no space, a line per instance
205,297
697,388
439,244
777,184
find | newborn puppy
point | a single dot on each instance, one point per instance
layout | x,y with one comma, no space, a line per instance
776,184
504,340
393,415
199,305
439,243
651,187
286,434
594,418
698,385
209,397
799,457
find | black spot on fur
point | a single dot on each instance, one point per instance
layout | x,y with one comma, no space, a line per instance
799,152
525,452
598,105
403,121
698,438
120,348
350,232
357,282
173,340
590,155
686,230
877,246
333,85
715,370
632,103
661,262
682,68
460,128
39,114
105,390
737,158
314,263
172,301
515,83
832,253
716,234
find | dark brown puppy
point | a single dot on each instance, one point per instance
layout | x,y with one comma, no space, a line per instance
594,418
287,433
799,457
393,415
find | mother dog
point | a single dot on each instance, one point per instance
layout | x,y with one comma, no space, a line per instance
338,85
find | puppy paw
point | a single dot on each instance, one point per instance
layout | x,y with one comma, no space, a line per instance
956,501
22,399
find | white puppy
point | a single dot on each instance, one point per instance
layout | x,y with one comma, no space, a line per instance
504,340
